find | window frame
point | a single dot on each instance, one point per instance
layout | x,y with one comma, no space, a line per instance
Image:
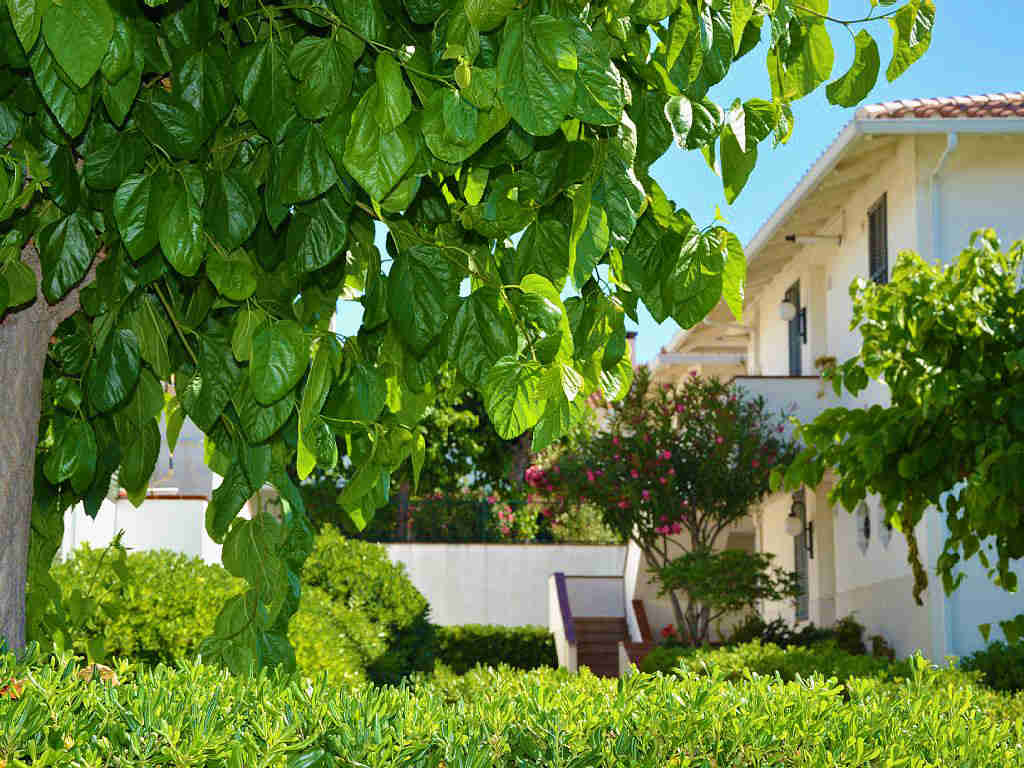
878,240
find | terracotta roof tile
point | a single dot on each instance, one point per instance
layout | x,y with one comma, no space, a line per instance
979,106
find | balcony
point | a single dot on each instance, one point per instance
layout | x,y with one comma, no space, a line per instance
802,397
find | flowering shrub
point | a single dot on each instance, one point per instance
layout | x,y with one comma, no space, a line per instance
684,462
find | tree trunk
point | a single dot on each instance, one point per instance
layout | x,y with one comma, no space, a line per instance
24,339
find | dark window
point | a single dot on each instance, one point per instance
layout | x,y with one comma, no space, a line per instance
795,336
878,242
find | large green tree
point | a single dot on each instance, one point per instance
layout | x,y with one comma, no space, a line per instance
948,342
205,180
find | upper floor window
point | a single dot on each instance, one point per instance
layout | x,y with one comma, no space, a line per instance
878,242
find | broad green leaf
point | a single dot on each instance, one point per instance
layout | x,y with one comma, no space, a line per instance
280,355
113,370
695,286
600,88
73,454
419,455
175,420
69,103
152,329
139,460
549,314
544,249
482,332
324,68
66,248
737,165
912,35
377,159
804,69
558,417
119,59
27,17
247,322
856,84
206,391
137,211
537,72
359,397
419,282
734,277
303,168
170,122
21,283
113,157
180,227
234,273
486,15
318,232
226,502
202,80
510,390
78,32
260,422
251,551
231,210
438,135
394,102
118,97
146,402
264,87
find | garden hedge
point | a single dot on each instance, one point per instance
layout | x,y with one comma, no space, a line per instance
360,616
466,646
1001,665
199,716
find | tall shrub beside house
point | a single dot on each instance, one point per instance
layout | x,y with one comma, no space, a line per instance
680,464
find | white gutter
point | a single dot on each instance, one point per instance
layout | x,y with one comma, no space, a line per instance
905,125
952,142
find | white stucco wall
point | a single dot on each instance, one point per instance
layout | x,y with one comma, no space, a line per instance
498,583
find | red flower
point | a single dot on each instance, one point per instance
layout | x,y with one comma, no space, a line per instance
668,631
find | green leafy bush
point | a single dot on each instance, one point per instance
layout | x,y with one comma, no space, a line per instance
503,719
732,663
360,617
360,613
466,646
847,634
1000,664
160,611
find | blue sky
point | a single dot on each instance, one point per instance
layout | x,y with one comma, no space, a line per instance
977,47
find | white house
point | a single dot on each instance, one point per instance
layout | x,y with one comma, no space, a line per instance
920,175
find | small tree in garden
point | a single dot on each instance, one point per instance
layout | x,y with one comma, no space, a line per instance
676,467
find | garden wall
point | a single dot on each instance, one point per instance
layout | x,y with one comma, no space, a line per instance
498,583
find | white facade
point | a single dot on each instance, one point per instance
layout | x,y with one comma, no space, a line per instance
941,178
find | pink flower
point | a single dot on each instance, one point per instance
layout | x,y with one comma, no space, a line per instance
666,455
780,429
646,494
623,504
693,374
615,441
547,512
505,530
680,408
672,472
663,530
663,518
719,439
663,480
492,499
677,528
590,477
686,502
755,463
634,474
616,457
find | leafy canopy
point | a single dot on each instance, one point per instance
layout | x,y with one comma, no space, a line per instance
224,167
946,339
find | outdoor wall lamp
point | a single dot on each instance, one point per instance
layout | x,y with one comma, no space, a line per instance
788,311
795,523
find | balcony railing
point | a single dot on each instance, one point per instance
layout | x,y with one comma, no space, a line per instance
802,397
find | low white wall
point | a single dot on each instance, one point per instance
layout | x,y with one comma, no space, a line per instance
175,524
595,596
498,583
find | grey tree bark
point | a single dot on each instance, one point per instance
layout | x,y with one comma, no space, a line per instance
24,338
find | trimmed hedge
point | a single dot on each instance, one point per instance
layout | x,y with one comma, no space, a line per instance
360,617
1001,665
469,645
766,659
201,716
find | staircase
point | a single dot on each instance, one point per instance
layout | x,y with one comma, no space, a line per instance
597,643
637,651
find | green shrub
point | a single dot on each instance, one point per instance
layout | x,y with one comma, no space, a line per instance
360,612
464,647
198,716
360,616
1000,664
847,634
167,606
732,663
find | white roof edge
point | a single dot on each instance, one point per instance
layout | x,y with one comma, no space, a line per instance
862,126
824,164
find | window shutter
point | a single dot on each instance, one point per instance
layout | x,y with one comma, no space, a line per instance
878,242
